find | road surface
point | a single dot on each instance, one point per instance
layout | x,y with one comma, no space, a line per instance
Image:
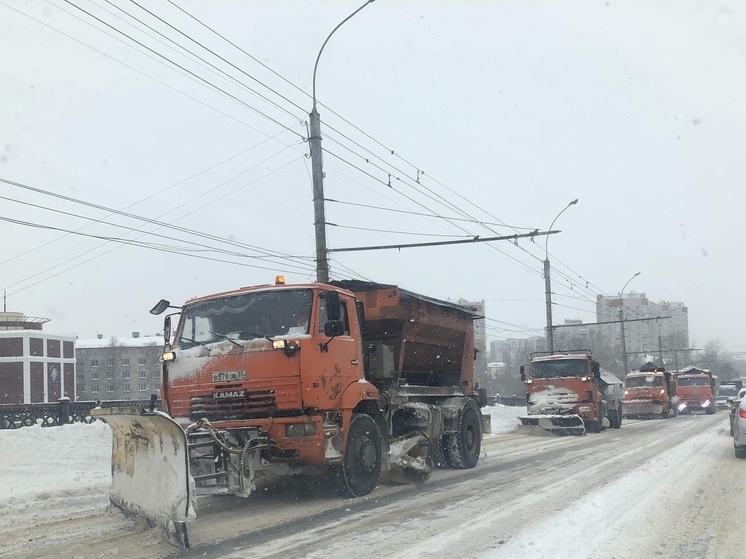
668,488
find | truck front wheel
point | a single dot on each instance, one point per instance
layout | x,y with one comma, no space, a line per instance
464,446
361,464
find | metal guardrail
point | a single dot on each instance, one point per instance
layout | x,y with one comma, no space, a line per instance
515,401
15,416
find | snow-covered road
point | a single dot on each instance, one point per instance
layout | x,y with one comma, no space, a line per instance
653,488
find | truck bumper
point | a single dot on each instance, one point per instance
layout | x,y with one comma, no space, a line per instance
633,408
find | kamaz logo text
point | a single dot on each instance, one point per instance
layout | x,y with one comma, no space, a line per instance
229,394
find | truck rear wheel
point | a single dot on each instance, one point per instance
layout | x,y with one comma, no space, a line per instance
361,464
464,446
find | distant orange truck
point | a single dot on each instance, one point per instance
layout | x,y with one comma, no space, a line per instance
649,393
695,390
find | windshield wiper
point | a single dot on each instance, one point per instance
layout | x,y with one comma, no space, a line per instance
183,339
223,336
255,335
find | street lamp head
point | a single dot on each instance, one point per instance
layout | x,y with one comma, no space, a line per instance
546,243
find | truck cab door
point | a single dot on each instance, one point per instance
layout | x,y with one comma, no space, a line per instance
336,362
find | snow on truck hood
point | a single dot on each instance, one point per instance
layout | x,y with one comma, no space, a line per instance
552,397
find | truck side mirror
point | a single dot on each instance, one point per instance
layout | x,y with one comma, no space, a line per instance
596,369
333,308
167,329
523,373
334,328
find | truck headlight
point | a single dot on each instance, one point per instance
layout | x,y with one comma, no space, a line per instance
585,409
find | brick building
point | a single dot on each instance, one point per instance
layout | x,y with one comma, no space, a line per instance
35,367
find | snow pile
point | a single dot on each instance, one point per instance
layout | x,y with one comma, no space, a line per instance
504,418
53,471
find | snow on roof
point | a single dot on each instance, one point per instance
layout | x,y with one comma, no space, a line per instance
96,343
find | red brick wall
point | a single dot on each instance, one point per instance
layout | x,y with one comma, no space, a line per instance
11,383
37,382
11,347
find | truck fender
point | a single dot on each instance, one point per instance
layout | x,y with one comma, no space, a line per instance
453,409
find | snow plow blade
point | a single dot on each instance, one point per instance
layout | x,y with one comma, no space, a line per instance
556,424
150,469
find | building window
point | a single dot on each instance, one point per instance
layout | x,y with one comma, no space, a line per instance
126,374
126,362
143,374
109,375
126,387
141,361
94,375
94,388
110,388
156,374
94,362
157,361
143,386
109,362
157,386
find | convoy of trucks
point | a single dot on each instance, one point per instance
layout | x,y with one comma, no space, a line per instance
650,392
568,393
348,381
344,380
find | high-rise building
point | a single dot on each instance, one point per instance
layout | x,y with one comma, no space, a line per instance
665,329
480,333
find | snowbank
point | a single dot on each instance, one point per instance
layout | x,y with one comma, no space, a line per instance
504,418
53,470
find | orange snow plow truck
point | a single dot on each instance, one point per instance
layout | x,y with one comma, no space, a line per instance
650,392
568,394
696,390
345,380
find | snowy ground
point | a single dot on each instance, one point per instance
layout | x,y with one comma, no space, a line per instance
618,494
65,470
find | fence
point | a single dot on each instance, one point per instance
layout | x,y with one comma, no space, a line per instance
15,416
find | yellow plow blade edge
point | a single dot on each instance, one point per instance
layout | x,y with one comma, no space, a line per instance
150,469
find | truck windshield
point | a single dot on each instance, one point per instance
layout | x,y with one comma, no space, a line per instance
638,382
265,314
694,381
564,368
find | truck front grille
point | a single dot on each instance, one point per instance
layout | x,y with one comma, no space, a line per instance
258,403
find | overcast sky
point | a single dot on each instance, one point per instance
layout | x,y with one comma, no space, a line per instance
506,111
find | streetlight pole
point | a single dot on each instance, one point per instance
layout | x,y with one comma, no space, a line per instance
317,172
548,284
621,322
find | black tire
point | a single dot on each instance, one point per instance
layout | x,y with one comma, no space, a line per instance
710,411
740,451
439,454
361,463
731,427
615,419
464,446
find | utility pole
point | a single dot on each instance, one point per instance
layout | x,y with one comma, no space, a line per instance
317,171
548,284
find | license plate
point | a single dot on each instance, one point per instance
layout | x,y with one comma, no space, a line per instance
226,376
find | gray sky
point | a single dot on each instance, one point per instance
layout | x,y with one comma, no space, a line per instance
510,109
